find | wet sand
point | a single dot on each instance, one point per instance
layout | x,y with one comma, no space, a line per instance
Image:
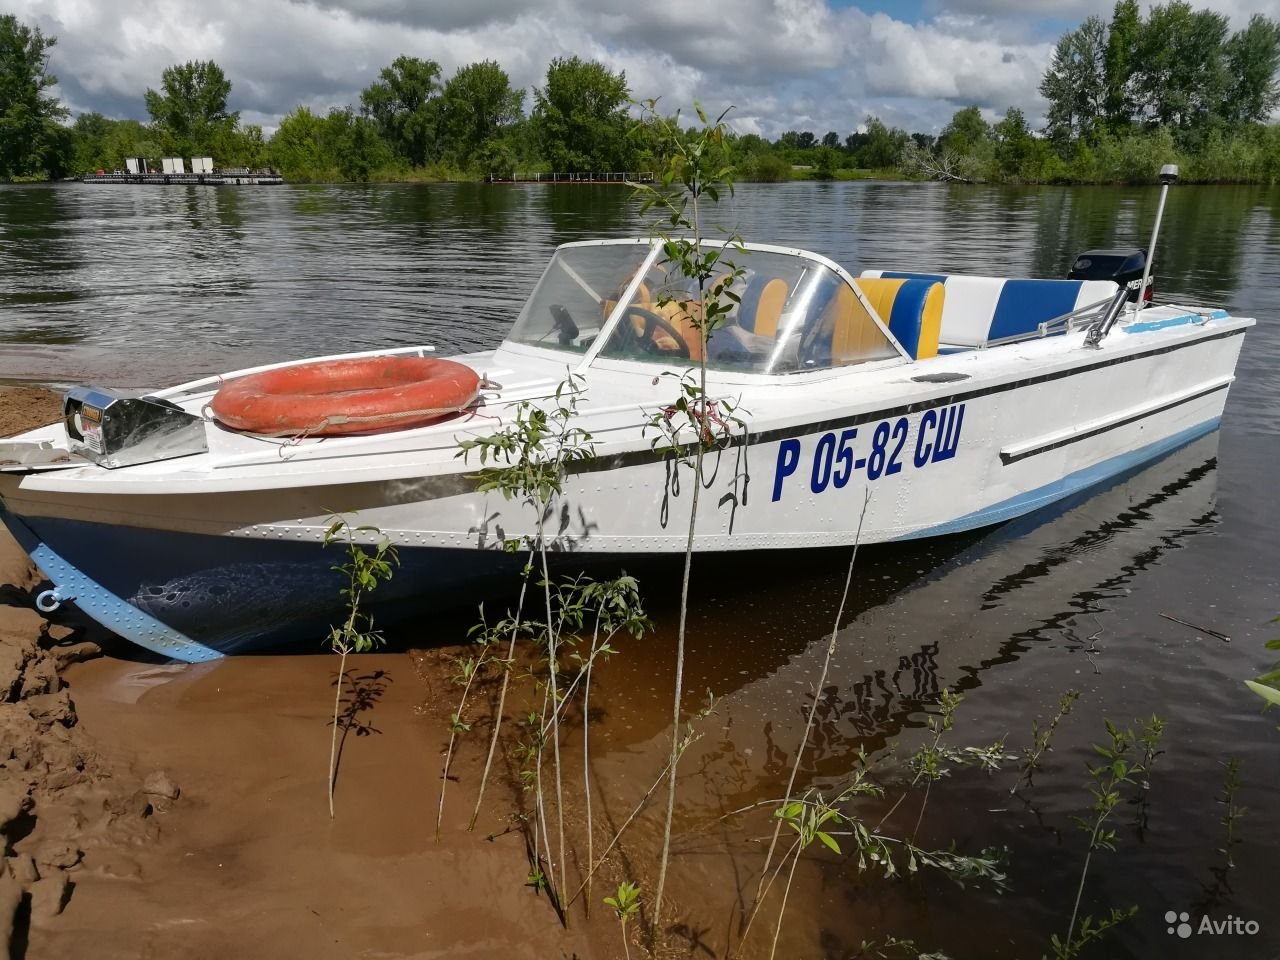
250,862
23,407
245,860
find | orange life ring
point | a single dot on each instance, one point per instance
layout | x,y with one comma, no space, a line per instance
330,398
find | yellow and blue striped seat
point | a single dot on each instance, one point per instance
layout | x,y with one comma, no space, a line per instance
911,307
982,309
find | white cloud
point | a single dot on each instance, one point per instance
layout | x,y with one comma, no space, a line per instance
951,60
1238,11
783,64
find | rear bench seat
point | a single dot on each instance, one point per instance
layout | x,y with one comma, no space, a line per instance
976,310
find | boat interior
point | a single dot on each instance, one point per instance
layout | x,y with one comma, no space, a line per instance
786,311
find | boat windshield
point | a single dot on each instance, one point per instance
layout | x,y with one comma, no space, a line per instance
577,293
788,314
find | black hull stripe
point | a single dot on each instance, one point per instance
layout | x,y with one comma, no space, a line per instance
920,405
1007,459
781,433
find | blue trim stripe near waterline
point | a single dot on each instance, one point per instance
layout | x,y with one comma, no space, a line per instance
1072,483
117,615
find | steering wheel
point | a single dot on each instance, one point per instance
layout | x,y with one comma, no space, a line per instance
808,349
562,323
653,321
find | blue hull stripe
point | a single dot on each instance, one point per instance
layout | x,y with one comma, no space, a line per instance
1068,485
104,606
1147,326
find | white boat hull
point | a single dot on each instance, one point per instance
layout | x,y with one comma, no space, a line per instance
198,564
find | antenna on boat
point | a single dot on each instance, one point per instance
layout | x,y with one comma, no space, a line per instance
1168,175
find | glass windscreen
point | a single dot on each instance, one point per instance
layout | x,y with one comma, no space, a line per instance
790,315
577,294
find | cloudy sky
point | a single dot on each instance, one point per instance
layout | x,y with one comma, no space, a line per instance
784,64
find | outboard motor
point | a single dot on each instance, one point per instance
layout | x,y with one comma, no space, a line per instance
1123,265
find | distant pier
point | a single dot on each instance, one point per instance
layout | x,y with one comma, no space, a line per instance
217,179
569,178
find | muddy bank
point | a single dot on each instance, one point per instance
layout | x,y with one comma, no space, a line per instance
251,864
69,806
106,856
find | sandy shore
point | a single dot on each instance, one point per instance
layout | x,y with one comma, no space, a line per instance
22,408
158,810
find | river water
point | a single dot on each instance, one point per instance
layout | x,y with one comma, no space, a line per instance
140,286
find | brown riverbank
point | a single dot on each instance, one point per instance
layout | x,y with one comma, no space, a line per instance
104,860
246,860
22,408
71,808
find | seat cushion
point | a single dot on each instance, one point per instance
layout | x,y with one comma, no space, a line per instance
980,309
1025,304
912,309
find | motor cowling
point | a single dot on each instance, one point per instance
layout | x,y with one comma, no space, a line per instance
1122,265
113,429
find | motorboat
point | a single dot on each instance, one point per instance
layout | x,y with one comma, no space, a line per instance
884,407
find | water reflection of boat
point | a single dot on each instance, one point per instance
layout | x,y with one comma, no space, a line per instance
976,610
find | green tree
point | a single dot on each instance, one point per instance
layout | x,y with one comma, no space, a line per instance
404,104
97,143
967,132
1183,79
497,157
295,149
89,133
882,147
825,161
832,140
1121,62
31,140
355,144
579,118
241,147
1015,146
966,147
753,158
478,106
1074,84
128,138
58,151
190,110
1252,58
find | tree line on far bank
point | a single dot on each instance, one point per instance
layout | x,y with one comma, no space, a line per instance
1125,97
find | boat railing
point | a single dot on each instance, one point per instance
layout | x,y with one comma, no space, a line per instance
1090,315
1100,329
211,384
